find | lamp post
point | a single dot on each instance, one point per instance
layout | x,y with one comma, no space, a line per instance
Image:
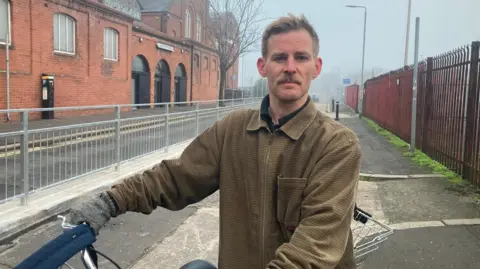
407,37
363,55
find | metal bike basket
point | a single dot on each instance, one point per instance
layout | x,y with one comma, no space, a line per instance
368,233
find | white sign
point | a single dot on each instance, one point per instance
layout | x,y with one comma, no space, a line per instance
165,47
44,93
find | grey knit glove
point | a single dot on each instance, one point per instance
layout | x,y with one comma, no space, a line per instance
95,212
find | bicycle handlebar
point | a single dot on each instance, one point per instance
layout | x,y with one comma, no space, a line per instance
54,254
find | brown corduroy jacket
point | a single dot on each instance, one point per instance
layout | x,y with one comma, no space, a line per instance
286,198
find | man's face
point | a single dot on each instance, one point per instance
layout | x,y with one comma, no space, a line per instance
290,65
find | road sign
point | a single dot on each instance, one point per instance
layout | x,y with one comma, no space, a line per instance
346,81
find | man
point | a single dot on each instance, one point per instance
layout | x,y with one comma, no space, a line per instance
287,174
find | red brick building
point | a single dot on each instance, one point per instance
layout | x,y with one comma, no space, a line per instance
107,52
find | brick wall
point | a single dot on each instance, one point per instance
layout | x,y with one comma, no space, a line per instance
206,75
82,78
85,77
153,20
147,47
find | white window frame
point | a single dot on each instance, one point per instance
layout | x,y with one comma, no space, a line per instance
73,35
105,56
188,24
9,23
199,28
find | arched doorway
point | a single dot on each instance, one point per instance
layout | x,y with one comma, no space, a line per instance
180,84
162,82
140,81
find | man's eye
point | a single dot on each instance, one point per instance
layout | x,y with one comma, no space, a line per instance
302,58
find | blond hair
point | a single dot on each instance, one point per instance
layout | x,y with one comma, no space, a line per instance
287,24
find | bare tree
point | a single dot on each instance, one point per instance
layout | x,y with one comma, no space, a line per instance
233,30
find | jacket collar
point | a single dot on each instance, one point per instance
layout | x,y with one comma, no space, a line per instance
293,128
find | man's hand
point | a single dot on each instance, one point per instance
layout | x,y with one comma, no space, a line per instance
95,212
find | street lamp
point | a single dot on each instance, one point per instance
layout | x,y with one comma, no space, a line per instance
407,37
363,55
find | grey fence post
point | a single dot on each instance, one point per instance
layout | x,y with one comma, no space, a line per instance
167,129
117,137
218,109
197,116
24,158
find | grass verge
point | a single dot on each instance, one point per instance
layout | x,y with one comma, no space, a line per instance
418,157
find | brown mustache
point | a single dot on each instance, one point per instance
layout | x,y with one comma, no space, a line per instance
288,79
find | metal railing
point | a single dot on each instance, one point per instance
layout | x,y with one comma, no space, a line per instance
447,119
43,153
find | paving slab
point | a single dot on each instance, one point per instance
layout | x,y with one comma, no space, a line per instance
196,238
379,155
428,248
428,199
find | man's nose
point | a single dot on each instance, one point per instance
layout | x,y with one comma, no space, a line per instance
290,66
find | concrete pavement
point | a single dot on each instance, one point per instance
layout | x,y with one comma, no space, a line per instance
429,248
196,238
381,157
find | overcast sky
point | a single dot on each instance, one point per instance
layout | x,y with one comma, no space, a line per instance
444,25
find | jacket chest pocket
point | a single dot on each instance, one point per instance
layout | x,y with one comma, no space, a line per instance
289,202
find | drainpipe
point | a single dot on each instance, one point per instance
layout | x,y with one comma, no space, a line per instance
191,72
7,62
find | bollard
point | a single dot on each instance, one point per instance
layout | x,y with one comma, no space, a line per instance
333,104
336,111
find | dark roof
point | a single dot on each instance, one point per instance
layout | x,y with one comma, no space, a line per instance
155,5
130,7
127,3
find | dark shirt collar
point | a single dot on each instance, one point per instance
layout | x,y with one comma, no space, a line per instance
265,114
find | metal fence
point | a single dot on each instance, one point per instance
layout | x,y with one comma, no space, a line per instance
448,110
36,154
351,96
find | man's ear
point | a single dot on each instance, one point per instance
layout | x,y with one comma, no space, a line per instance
261,67
318,67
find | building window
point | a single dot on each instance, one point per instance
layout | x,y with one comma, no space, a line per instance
199,29
205,63
64,33
196,65
188,24
5,22
196,61
110,44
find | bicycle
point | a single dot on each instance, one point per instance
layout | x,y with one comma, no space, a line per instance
80,238
55,254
